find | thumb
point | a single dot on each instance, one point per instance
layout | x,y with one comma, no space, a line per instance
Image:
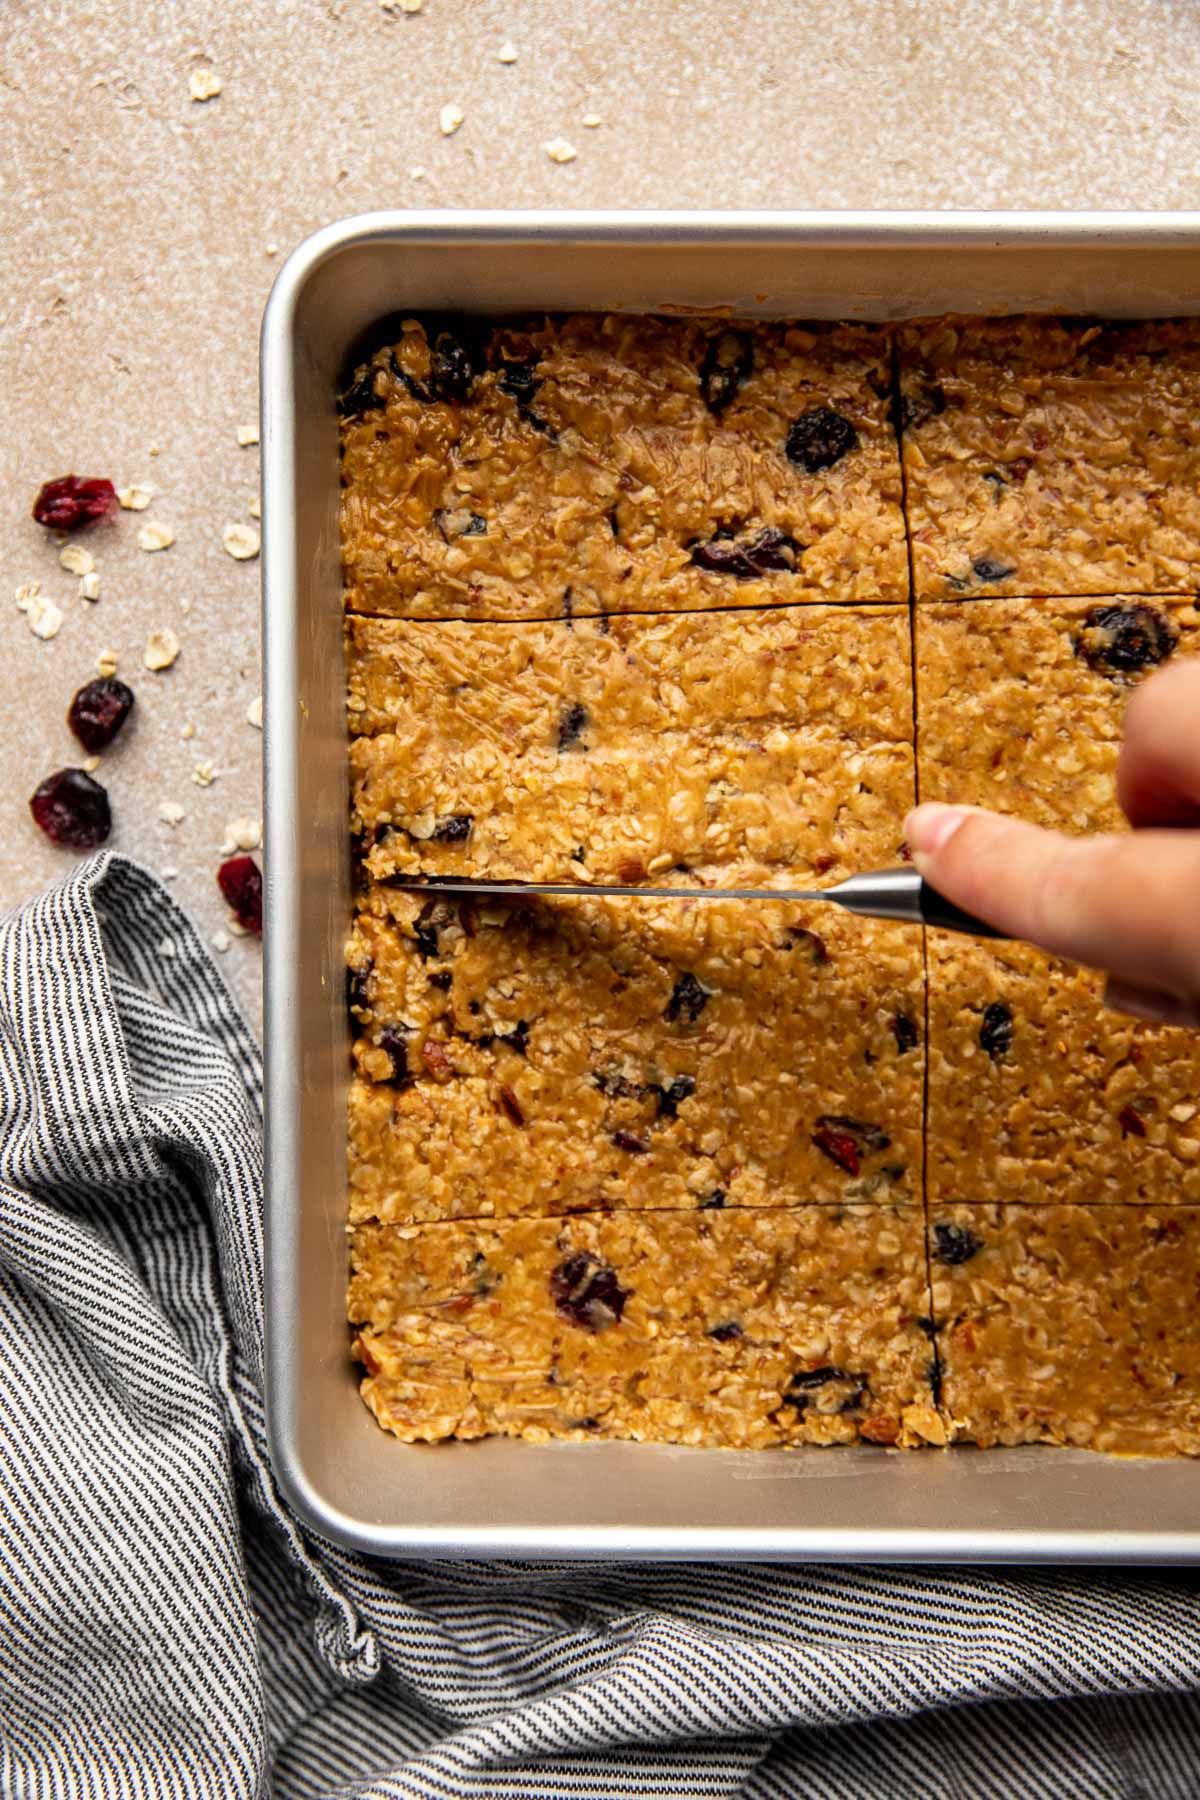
1129,904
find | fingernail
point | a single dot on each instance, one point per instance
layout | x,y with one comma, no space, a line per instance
930,827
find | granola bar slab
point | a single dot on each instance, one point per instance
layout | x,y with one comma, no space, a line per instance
563,1056
1069,1325
765,1329
778,740
599,464
1035,1088
1052,456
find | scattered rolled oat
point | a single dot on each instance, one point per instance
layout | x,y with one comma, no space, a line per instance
591,120
90,764
449,119
162,647
76,560
42,616
220,941
154,536
170,812
272,250
560,150
204,774
254,507
106,663
507,53
242,833
167,948
241,541
187,732
254,713
89,586
418,173
204,84
247,435
135,498
404,6
185,605
169,872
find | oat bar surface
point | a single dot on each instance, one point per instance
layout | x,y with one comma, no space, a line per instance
804,1326
565,1056
777,740
594,464
1069,1325
1047,456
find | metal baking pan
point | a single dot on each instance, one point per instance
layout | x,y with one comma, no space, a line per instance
347,1478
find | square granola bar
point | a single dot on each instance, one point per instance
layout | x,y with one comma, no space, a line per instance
1052,456
598,464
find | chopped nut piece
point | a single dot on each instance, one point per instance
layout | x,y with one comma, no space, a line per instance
76,560
242,833
106,663
241,541
449,119
90,764
162,647
247,435
560,150
135,498
167,948
507,53
154,536
89,586
204,774
42,616
204,84
170,812
254,713
187,732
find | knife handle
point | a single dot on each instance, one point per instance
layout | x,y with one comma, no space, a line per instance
937,910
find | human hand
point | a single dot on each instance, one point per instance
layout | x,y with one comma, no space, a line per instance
1125,903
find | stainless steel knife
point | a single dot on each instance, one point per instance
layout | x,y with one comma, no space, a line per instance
900,894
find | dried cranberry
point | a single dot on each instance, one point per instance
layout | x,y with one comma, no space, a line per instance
518,1038
769,551
615,1085
360,397
394,1039
625,1140
726,1332
240,881
669,1097
72,809
357,999
455,829
511,1105
1131,1122
845,1140
996,1030
441,978
72,501
426,927
921,403
989,568
1120,640
728,360
819,438
954,1244
587,1293
904,1030
455,357
688,1000
519,380
713,1202
800,934
803,1383
98,711
572,725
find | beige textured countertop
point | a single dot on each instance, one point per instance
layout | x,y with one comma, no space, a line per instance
143,229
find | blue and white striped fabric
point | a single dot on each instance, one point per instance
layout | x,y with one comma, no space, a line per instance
165,1628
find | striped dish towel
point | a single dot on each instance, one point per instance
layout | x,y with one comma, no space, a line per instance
167,1629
